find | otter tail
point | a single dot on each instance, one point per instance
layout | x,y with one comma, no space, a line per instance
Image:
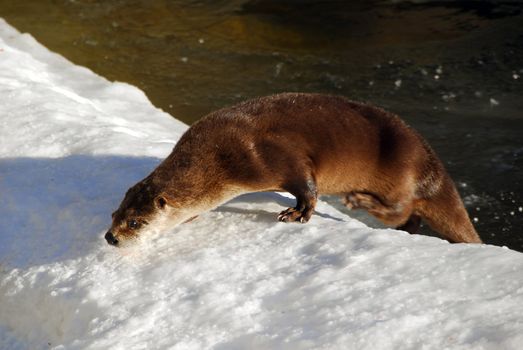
445,213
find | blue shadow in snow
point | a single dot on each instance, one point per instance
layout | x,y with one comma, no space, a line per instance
57,209
267,197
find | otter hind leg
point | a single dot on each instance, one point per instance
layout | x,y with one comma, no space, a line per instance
306,198
398,215
363,200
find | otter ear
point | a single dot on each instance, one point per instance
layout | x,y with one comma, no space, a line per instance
160,202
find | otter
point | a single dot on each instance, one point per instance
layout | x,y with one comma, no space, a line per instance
304,144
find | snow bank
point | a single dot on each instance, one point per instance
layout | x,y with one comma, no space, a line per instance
235,278
53,108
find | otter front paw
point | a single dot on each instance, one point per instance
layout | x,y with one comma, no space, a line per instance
293,214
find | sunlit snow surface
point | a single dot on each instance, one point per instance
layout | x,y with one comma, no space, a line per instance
72,143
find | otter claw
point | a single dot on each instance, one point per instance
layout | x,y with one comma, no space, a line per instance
291,215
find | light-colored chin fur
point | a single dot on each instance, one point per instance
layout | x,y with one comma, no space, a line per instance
128,241
169,217
163,221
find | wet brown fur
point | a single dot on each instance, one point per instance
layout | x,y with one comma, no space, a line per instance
306,144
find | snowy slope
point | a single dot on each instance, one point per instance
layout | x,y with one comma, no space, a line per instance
72,143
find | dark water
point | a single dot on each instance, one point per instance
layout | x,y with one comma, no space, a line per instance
452,69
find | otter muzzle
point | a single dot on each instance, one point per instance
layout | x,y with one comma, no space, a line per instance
110,238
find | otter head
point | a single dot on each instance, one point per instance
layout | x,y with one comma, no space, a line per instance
144,208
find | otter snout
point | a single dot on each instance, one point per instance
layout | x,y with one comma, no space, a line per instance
110,238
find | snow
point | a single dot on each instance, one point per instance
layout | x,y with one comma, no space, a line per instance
73,142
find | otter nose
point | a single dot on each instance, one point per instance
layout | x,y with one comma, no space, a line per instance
110,238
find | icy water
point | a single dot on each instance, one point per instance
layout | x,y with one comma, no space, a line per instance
452,69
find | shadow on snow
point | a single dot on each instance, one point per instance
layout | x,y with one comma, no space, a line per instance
59,209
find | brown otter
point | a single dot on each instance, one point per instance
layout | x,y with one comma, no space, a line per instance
305,144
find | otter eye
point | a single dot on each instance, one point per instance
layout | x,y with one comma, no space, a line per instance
132,224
